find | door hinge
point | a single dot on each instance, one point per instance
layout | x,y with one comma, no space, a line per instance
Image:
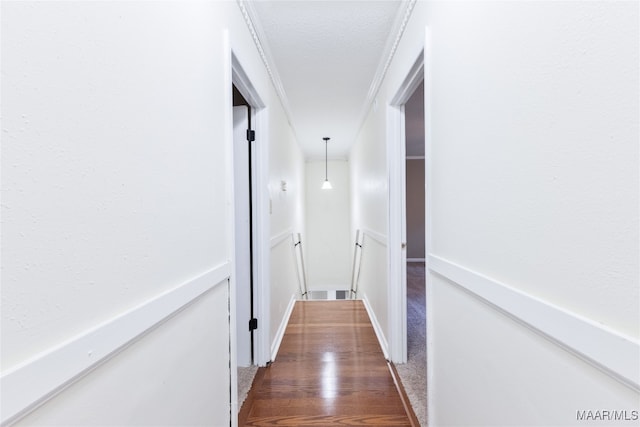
251,135
253,324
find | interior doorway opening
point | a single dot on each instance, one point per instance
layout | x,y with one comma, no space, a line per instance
244,228
414,224
415,176
397,247
415,230
251,166
244,247
408,230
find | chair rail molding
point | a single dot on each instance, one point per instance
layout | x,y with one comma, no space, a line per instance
51,371
604,348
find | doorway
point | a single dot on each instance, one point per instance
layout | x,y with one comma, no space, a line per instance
409,230
397,166
249,240
415,176
415,227
244,227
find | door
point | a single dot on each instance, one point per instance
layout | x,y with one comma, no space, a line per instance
242,201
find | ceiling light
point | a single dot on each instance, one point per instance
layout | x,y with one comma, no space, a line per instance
326,185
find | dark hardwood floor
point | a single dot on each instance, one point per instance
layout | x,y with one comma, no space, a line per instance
330,371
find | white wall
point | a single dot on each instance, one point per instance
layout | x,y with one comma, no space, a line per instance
369,214
533,177
504,374
106,166
549,150
162,388
287,217
286,164
328,250
115,205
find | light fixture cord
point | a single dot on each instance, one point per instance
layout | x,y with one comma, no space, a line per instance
326,168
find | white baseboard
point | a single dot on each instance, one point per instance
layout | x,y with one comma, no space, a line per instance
275,346
376,327
36,380
606,349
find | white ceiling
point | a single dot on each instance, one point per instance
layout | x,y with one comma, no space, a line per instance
327,59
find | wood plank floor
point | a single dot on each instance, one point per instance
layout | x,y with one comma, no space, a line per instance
329,371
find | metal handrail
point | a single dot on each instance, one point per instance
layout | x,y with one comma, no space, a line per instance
302,274
357,260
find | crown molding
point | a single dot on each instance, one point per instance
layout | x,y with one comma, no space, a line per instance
395,35
260,40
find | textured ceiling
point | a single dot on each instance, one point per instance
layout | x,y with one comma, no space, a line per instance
326,57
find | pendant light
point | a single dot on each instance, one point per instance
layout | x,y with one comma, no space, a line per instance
326,185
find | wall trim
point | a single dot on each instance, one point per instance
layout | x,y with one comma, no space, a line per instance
606,349
275,346
281,237
395,35
379,237
51,371
257,34
376,326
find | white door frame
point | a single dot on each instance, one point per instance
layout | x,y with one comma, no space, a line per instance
397,253
235,75
397,287
261,223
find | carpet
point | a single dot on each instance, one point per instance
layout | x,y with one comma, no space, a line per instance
413,374
245,379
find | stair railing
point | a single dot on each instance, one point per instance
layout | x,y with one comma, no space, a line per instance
357,260
302,274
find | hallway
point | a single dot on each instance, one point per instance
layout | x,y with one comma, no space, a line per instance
122,301
329,370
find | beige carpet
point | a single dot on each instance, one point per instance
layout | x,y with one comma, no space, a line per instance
245,379
413,374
